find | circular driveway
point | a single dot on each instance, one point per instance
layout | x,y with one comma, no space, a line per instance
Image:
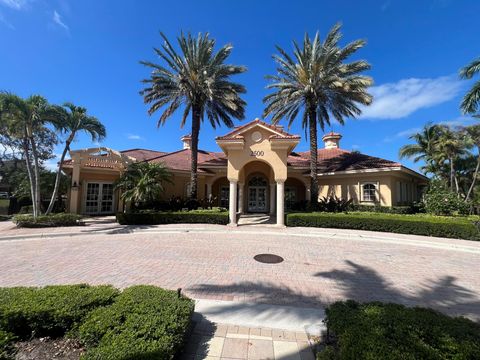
216,262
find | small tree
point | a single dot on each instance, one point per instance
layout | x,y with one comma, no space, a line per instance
73,119
439,200
143,182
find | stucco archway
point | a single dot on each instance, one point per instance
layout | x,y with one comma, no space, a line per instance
255,143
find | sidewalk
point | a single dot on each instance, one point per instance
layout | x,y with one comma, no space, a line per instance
235,330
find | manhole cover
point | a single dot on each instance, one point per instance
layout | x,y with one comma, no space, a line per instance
268,258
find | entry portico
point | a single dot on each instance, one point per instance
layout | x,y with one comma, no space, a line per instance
257,156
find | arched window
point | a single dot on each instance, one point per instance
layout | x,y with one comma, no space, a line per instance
257,181
369,192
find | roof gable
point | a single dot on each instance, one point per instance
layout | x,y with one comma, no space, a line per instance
275,131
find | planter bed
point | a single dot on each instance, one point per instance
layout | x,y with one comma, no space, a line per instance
144,322
177,217
419,224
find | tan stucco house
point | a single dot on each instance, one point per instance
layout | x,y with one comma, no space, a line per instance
257,171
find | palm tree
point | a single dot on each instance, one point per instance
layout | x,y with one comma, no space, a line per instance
74,119
471,100
317,81
474,133
143,182
451,145
24,118
197,80
424,147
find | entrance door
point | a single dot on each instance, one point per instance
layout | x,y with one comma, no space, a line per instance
257,194
99,198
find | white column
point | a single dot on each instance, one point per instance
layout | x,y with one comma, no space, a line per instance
75,185
209,190
233,203
280,202
240,197
272,198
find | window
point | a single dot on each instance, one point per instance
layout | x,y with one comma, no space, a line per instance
224,196
290,196
369,191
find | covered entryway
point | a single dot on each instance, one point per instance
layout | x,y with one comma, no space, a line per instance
257,194
254,148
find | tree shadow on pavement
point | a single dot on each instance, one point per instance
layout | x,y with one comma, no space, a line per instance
363,283
357,282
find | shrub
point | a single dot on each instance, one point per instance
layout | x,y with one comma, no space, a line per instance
391,332
451,227
49,311
333,204
6,347
441,201
413,208
145,322
53,220
178,217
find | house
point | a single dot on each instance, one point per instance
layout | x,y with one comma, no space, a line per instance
257,171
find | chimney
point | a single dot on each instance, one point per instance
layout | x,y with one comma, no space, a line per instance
332,140
187,141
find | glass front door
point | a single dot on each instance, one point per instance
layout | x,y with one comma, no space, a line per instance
257,199
99,198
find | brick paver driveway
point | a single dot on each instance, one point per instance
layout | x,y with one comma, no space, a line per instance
216,262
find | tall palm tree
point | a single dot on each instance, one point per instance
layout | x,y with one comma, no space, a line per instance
71,120
24,118
318,81
143,182
471,100
198,80
424,147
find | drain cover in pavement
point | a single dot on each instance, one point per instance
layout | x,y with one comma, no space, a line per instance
268,258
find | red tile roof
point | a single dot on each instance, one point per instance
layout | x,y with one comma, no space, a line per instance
332,160
143,154
180,160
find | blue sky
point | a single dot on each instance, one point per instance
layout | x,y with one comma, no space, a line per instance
88,52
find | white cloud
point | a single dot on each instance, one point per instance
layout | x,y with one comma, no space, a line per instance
15,4
6,22
461,121
402,134
134,137
400,99
57,19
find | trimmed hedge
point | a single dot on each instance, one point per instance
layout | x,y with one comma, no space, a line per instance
142,322
49,311
177,217
53,220
395,332
450,227
145,322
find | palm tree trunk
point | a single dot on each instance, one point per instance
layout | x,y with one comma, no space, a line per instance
472,185
30,175
59,174
452,174
194,151
36,168
313,157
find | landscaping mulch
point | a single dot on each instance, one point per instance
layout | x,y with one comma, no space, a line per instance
47,348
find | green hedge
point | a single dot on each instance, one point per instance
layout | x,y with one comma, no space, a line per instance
53,220
395,332
178,217
450,227
49,311
144,323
